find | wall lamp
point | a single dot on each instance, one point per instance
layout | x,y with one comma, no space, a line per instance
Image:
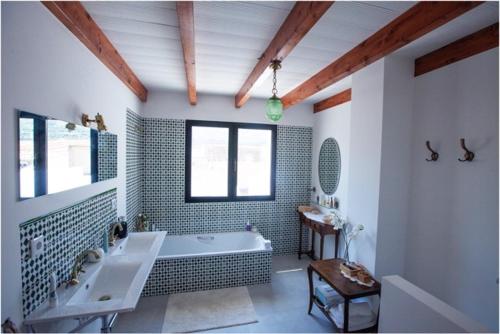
99,120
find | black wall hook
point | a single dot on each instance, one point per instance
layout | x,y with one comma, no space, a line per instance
468,155
434,154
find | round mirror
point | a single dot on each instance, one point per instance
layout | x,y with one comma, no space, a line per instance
329,166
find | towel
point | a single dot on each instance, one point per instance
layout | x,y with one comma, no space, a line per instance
359,316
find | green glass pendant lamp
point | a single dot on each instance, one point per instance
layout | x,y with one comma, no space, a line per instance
274,106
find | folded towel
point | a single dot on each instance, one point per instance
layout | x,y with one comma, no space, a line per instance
356,322
357,309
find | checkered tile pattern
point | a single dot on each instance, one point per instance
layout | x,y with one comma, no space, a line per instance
106,156
208,272
67,233
163,188
135,167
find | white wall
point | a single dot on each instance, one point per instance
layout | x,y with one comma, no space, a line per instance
395,167
365,156
336,123
174,105
46,70
452,245
405,308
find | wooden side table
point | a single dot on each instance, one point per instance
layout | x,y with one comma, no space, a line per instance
329,271
322,229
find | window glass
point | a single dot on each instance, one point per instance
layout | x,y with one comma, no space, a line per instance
209,161
254,162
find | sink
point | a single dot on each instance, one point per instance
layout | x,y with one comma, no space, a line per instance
135,243
110,283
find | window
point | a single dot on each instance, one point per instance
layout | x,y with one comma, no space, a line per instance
230,161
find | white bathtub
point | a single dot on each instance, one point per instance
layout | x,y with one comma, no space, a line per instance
194,245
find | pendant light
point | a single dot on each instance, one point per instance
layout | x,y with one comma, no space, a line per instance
274,106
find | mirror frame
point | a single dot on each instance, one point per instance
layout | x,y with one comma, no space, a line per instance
336,148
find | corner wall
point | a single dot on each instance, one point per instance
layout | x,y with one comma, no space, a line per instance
452,239
47,70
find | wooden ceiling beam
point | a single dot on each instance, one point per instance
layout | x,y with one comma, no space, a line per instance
468,46
185,14
299,21
332,101
74,16
420,19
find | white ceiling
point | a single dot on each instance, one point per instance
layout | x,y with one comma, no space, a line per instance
230,36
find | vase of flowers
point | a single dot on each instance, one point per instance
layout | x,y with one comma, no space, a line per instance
349,233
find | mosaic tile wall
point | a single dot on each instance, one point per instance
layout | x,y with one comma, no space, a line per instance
107,155
67,233
134,167
208,272
163,188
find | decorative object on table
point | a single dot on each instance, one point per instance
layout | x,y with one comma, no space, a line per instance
350,269
305,208
141,225
274,106
328,219
468,155
329,165
349,233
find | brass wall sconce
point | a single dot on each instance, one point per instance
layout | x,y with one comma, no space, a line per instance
468,155
99,120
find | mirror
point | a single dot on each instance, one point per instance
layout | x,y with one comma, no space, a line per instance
329,166
55,155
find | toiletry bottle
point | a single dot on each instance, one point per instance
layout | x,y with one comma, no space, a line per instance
105,242
248,226
53,299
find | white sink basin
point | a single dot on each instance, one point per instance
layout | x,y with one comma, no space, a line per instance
110,283
135,243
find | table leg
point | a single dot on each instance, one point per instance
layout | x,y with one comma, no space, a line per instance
300,240
346,315
337,244
312,243
311,289
322,242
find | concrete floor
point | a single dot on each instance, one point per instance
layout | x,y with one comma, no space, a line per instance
281,306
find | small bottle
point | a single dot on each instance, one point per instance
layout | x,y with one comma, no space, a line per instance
105,241
53,299
248,226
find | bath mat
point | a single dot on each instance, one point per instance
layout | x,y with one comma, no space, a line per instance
211,309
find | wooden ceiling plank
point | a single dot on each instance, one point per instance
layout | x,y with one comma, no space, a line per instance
185,14
468,46
299,21
74,16
419,20
332,101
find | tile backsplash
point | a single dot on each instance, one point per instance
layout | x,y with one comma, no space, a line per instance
162,196
134,167
67,232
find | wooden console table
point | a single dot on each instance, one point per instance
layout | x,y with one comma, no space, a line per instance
316,226
329,271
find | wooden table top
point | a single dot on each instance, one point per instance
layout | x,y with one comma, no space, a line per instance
329,270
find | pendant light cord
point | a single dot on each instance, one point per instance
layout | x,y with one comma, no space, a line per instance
275,65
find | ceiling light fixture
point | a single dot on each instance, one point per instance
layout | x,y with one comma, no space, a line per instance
274,105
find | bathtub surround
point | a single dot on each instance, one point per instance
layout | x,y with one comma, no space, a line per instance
163,187
67,232
202,262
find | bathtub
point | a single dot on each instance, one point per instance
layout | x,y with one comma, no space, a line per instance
197,262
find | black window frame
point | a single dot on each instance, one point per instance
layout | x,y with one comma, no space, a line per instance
40,145
232,161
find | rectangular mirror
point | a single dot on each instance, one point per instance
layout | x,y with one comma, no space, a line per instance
55,155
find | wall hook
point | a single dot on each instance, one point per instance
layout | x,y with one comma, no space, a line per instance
468,155
434,154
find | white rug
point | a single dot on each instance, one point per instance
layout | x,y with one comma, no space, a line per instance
204,310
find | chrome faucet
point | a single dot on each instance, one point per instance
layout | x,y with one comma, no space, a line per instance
77,266
112,231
